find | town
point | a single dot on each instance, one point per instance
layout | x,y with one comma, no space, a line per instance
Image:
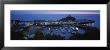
68,28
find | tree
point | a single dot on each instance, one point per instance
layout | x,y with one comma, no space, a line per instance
39,36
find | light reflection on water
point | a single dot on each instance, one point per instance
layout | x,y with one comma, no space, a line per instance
65,32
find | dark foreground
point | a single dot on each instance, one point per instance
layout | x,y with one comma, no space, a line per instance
43,33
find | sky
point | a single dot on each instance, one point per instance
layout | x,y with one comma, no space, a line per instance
55,12
30,15
50,14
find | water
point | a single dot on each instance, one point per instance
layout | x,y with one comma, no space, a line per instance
65,32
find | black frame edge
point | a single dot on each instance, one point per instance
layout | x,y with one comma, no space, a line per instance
28,2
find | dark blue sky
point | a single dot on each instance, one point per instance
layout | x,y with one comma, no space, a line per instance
29,15
55,11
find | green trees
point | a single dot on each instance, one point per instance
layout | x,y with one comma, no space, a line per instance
53,37
39,36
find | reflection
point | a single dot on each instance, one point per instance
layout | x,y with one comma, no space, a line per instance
66,28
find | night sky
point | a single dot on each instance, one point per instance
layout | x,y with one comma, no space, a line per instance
30,15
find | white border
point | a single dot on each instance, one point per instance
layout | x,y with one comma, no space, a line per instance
56,43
